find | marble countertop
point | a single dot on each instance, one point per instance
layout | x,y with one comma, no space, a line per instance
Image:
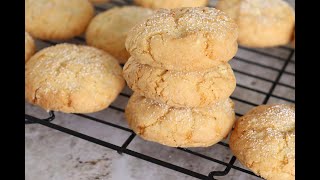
53,155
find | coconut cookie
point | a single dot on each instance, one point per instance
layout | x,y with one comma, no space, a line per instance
29,46
72,79
169,4
57,19
108,30
262,23
180,89
264,141
184,39
180,127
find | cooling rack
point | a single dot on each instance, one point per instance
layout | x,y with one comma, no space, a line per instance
281,69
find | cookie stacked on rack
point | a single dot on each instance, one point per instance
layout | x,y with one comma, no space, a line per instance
180,76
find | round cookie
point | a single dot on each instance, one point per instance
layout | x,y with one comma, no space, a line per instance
179,127
108,30
264,141
180,89
72,79
184,39
57,19
169,4
261,23
29,46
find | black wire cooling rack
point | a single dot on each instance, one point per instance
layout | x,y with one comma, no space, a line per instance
213,174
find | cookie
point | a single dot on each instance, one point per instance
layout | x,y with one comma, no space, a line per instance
72,79
169,4
57,19
264,141
179,127
184,39
261,23
108,30
178,88
29,46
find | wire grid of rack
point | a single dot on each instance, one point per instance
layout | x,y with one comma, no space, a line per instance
269,93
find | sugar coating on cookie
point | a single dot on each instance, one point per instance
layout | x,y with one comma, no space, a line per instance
29,46
261,23
108,30
57,19
178,88
184,39
264,141
72,79
179,127
170,4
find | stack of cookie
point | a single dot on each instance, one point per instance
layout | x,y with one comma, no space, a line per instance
181,80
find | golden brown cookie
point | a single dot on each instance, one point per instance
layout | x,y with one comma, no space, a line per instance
170,4
108,30
184,39
264,141
29,46
180,89
261,23
57,19
72,79
180,127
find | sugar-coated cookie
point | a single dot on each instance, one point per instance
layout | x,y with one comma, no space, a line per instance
29,46
108,30
264,141
72,79
170,4
261,23
57,19
180,89
184,39
179,127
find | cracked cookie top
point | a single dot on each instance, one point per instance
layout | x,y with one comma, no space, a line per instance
264,141
180,89
72,79
184,39
180,127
